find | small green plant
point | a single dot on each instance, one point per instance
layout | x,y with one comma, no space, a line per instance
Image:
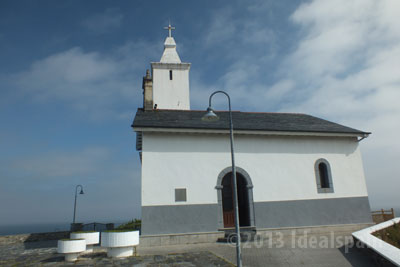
119,230
131,225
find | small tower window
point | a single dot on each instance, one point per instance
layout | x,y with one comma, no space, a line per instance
170,75
323,176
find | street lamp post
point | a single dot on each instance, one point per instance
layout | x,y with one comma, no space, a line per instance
211,116
76,194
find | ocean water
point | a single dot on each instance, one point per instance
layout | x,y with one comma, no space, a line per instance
33,228
16,229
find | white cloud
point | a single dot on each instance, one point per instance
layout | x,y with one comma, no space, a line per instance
347,68
221,28
347,71
344,65
249,45
238,33
90,82
104,22
97,85
73,66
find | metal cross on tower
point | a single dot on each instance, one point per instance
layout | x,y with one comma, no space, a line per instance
169,28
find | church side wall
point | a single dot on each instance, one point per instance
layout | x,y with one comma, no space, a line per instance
171,94
281,170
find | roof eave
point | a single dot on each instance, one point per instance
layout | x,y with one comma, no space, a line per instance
249,132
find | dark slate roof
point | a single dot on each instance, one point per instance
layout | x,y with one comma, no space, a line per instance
252,121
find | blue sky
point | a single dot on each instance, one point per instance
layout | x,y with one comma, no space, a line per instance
70,83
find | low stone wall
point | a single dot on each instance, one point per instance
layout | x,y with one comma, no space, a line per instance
193,238
179,239
343,229
212,237
25,238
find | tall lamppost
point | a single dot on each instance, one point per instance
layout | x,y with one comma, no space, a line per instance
211,116
76,194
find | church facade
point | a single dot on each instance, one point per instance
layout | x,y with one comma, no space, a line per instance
293,170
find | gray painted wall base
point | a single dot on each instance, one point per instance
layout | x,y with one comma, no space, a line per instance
175,219
329,211
179,239
344,229
179,219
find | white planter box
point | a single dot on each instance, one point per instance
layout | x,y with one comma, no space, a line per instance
71,248
381,247
119,244
91,238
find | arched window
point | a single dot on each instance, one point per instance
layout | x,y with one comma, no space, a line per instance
323,176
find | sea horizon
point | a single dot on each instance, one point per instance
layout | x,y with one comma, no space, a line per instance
15,229
32,228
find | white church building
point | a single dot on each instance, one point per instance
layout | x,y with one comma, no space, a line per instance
293,170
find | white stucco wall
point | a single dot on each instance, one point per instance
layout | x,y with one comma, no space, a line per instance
171,94
281,168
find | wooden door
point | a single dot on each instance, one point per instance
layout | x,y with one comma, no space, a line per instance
227,201
229,219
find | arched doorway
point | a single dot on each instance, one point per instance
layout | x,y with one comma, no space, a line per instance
228,201
225,198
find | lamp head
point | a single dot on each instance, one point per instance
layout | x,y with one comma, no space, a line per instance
210,115
81,191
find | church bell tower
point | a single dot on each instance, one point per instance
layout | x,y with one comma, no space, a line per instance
170,78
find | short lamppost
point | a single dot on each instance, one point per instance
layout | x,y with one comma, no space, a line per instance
211,116
76,194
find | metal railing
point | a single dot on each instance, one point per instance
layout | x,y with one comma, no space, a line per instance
94,226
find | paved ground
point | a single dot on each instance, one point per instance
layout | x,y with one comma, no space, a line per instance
286,252
45,254
272,252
